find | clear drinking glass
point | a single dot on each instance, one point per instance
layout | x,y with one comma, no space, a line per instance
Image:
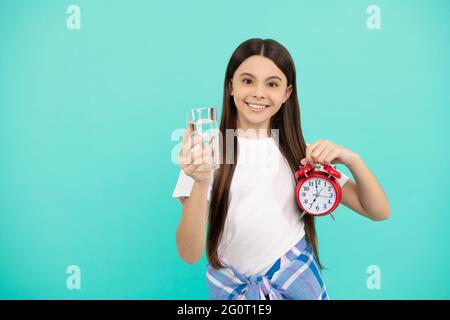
203,122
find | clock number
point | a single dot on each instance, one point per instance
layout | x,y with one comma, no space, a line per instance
305,201
305,188
311,183
331,195
317,208
329,189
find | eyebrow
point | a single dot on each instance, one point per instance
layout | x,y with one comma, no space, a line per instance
250,75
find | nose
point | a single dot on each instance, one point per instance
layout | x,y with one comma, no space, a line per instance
259,92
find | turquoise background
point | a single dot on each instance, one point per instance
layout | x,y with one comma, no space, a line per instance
86,123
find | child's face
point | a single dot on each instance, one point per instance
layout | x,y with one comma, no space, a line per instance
259,88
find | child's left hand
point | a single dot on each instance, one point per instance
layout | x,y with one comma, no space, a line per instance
325,152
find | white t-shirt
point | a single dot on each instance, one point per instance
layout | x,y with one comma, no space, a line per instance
263,222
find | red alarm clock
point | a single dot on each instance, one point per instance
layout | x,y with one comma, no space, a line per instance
318,193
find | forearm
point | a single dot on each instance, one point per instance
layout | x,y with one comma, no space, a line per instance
191,232
370,193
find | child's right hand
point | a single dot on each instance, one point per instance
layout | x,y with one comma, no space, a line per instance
194,157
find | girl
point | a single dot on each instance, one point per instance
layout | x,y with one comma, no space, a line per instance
257,244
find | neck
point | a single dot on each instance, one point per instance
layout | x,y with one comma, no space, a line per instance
251,131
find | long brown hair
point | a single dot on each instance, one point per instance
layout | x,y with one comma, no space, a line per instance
291,141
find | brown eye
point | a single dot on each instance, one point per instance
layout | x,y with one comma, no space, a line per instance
273,84
246,80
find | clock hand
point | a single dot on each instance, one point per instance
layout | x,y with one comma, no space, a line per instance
319,192
317,195
313,202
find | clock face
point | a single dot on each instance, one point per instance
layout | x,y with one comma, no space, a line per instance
317,195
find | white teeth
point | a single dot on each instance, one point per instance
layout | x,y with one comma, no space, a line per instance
256,106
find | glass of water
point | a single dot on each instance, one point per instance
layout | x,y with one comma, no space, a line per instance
203,122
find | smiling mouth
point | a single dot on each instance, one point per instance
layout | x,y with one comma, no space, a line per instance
256,107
